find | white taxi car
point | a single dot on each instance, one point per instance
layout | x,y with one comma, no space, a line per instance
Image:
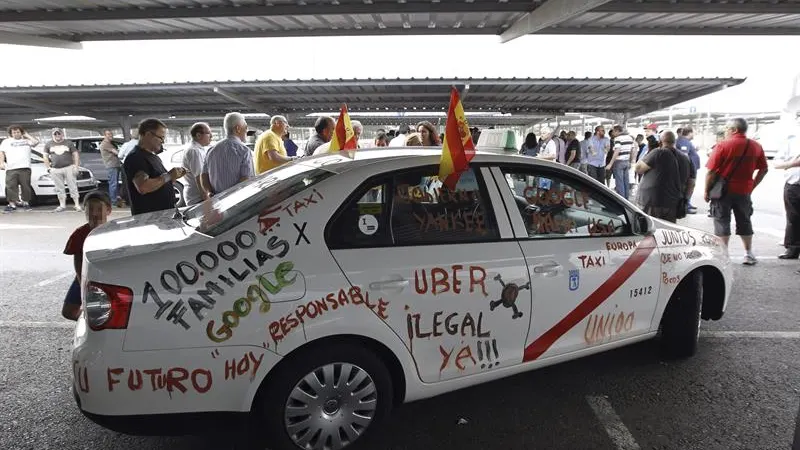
319,295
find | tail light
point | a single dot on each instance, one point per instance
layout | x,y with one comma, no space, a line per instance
108,307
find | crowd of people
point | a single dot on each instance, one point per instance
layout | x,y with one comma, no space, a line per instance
665,167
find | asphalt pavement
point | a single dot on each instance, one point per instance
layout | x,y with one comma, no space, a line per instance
741,391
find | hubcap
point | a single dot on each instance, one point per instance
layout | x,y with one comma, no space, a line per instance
330,407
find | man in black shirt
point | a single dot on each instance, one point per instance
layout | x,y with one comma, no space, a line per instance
573,155
149,183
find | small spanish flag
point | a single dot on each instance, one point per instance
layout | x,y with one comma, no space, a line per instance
458,149
343,136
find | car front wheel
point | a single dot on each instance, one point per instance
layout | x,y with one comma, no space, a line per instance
331,397
680,325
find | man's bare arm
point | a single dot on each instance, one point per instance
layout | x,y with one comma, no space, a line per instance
759,177
789,164
273,155
571,157
145,185
690,187
205,184
641,167
199,180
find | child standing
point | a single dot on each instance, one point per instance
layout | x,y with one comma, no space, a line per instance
97,205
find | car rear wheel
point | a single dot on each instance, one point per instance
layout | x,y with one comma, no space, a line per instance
177,187
680,325
331,397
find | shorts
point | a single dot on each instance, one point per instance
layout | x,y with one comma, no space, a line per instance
742,208
73,294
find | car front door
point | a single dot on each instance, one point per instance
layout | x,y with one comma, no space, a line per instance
593,280
455,281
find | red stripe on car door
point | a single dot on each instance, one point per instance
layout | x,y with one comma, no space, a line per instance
595,299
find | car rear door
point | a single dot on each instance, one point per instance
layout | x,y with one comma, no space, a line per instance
441,267
594,281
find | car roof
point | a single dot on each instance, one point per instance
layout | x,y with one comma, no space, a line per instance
340,162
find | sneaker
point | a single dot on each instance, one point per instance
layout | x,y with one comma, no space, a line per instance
59,209
27,206
78,208
691,210
9,209
749,260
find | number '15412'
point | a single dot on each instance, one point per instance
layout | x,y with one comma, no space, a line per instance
641,291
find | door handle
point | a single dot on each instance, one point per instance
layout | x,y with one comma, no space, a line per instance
547,269
394,284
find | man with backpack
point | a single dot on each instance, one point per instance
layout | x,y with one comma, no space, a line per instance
729,183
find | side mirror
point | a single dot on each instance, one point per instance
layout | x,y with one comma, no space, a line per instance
643,224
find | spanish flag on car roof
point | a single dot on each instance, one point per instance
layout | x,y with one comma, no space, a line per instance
343,136
458,149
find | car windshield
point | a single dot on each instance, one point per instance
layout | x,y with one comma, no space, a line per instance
243,201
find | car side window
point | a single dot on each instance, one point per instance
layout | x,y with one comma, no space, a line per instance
90,147
424,211
364,220
554,206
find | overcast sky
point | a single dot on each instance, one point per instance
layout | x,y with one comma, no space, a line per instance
769,63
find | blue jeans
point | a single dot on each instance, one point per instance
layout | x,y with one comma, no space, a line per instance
113,183
622,181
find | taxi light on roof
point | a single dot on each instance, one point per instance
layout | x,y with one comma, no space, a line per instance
498,141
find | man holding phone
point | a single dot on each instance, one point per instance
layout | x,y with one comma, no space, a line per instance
149,183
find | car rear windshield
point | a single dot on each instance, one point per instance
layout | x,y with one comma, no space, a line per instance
245,200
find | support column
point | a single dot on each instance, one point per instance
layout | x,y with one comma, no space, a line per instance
126,123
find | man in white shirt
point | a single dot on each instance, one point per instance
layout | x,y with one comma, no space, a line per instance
621,160
193,159
400,138
789,158
15,157
549,147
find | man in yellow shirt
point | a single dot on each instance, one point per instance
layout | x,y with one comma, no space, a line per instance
270,151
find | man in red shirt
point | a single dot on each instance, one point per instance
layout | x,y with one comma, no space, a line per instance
736,159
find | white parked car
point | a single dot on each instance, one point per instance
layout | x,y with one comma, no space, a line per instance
171,157
43,185
319,295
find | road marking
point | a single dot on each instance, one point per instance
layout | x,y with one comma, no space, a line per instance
617,431
760,258
29,324
20,226
54,279
32,251
752,334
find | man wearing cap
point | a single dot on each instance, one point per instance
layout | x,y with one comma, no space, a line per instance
62,160
651,130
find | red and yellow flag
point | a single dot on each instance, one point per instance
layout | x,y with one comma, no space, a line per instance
343,136
458,149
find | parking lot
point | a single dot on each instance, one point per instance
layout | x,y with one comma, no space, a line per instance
741,391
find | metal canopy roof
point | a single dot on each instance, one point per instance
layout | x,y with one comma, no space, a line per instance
519,99
64,23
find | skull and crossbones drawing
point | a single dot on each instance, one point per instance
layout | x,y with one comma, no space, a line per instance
508,297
